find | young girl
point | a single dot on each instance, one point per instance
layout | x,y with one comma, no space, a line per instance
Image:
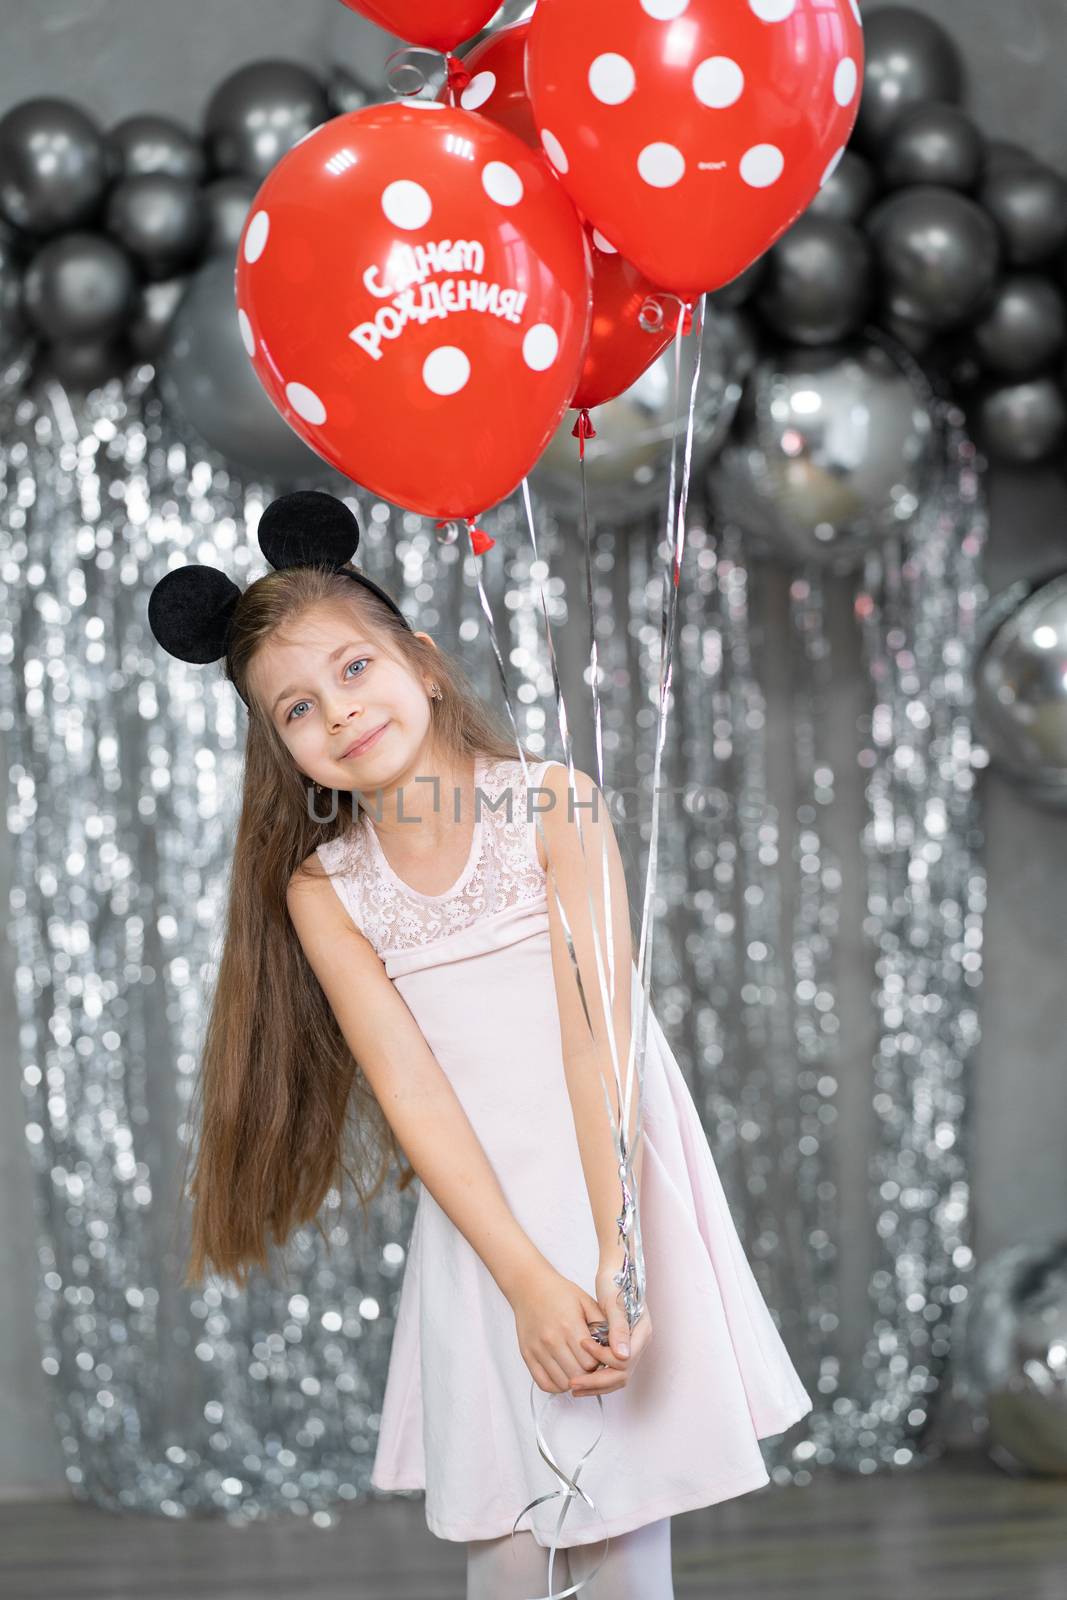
397,982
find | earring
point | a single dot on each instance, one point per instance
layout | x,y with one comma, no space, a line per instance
436,692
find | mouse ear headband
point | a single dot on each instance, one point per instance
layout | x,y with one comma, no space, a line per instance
190,610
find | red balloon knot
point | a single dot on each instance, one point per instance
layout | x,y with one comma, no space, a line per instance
458,76
480,540
583,429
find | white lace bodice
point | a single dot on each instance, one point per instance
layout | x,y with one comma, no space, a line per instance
503,868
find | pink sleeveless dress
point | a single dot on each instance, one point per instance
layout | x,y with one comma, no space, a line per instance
474,967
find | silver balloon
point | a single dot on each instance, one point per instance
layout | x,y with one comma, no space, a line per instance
79,287
83,364
1002,155
207,381
146,143
16,340
939,254
149,325
739,290
1021,686
1023,422
933,144
227,202
848,192
1029,206
907,57
53,165
831,452
160,220
345,93
627,465
817,285
1024,328
260,112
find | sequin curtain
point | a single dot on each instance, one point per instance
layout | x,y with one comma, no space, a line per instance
123,772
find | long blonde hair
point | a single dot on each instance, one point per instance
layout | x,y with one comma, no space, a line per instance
281,1109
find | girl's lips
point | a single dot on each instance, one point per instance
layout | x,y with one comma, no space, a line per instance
366,744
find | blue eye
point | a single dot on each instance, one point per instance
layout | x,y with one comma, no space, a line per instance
355,663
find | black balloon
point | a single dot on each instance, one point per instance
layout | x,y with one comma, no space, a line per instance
740,289
907,58
53,165
848,192
82,365
1001,155
259,112
933,144
227,202
147,144
1024,328
16,339
1029,206
938,252
160,220
152,315
817,285
1023,422
344,92
79,287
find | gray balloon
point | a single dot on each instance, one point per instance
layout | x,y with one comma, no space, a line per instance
53,165
207,381
1024,328
1020,686
345,93
916,337
907,57
627,465
1029,206
259,112
1023,422
79,287
160,220
817,285
933,144
227,202
831,452
149,324
938,252
1002,155
84,364
739,290
16,339
146,143
848,192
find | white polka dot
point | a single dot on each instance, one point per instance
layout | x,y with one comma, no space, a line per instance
305,402
661,165
845,77
406,204
761,165
603,244
664,10
772,10
611,78
856,11
554,150
445,370
478,90
256,236
831,166
718,82
502,183
248,338
540,347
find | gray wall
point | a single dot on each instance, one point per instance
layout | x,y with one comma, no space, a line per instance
121,56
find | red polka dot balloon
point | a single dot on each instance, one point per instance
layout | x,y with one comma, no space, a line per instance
438,24
693,132
413,292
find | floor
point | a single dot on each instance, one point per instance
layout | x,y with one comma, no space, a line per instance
958,1529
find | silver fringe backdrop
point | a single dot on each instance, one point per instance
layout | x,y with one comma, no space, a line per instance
123,766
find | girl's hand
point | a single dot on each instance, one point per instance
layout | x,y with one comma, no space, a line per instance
552,1317
617,1366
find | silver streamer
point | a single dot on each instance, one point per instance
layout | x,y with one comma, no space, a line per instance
123,767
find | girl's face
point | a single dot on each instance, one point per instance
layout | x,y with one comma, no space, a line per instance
331,683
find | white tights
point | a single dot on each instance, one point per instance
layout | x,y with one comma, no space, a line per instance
637,1567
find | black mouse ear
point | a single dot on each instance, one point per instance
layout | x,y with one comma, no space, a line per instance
190,610
308,528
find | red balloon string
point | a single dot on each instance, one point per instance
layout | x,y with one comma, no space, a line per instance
583,429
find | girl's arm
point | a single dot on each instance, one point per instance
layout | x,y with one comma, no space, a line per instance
409,1084
587,1056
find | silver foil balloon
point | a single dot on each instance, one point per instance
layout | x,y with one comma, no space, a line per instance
933,144
259,112
161,220
832,451
16,339
1024,328
1029,206
848,192
1022,422
1021,686
227,202
208,382
1011,1334
938,252
627,465
907,57
817,284
53,165
147,143
79,286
